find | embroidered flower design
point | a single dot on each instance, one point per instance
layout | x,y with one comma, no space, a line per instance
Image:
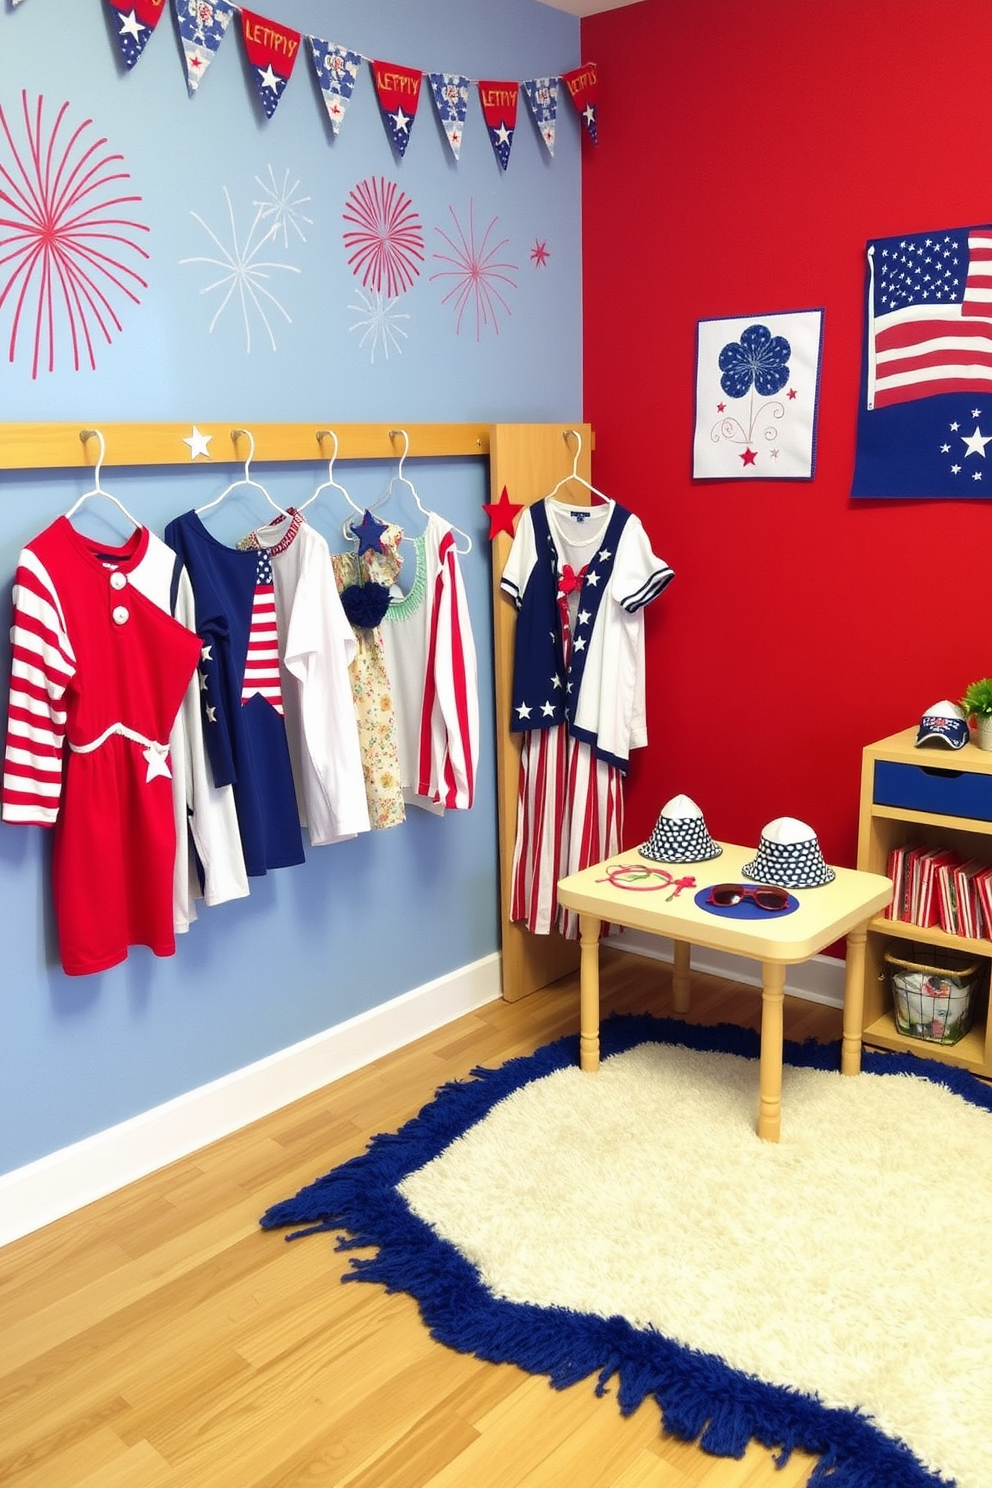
758,359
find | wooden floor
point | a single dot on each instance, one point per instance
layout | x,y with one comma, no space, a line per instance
160,1339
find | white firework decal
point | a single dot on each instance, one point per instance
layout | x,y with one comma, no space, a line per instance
243,273
281,207
379,323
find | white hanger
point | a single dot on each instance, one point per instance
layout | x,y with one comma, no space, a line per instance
243,480
97,489
574,475
399,476
330,483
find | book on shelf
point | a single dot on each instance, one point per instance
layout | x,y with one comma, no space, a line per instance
926,901
982,887
895,869
965,874
911,882
948,899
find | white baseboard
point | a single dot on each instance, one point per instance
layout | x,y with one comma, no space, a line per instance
820,979
45,1190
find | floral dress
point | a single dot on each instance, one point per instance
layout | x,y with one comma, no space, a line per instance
370,684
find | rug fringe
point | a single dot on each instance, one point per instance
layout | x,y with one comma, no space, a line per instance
700,1397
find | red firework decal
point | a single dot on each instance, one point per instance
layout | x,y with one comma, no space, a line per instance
387,248
61,231
477,273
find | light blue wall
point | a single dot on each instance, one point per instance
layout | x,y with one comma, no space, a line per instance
364,921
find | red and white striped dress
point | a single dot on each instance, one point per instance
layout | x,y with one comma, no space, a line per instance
97,678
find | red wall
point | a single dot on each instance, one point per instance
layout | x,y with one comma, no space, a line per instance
747,150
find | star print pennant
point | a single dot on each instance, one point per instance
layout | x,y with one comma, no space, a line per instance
542,96
925,411
582,85
133,22
202,27
337,73
450,92
271,50
398,91
502,514
499,109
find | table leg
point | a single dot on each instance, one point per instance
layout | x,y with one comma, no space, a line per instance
770,1070
589,991
680,976
854,1002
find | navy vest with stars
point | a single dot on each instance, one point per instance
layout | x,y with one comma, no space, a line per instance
545,691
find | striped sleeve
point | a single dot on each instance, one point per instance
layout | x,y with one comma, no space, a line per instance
42,666
449,733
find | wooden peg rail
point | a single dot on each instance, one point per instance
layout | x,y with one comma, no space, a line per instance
59,446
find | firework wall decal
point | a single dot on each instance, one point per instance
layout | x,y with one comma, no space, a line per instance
386,245
242,275
478,275
68,245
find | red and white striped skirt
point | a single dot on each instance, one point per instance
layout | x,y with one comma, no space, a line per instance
569,815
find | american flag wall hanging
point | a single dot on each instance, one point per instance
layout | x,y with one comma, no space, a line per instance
925,411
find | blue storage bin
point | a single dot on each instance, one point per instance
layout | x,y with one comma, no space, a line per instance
937,788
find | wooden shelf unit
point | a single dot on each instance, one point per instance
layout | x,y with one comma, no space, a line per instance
899,780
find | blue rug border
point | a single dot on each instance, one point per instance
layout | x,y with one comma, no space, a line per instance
701,1398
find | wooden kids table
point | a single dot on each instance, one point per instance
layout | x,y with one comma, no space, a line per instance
825,914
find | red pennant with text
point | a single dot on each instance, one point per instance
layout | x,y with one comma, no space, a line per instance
499,109
272,51
582,89
133,22
398,91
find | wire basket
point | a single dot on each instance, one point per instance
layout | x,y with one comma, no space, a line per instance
931,1002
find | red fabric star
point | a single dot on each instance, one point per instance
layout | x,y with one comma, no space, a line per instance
502,514
749,456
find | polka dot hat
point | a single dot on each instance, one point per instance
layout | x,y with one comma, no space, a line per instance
680,835
789,856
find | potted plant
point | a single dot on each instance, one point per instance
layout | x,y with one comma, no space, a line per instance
977,704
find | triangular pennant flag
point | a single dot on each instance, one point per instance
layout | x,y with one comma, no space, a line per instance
202,26
499,109
581,85
542,95
337,73
272,51
134,22
451,99
398,91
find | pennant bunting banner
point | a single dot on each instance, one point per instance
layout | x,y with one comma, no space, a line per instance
499,109
134,22
542,95
337,73
202,27
581,85
450,92
272,51
398,91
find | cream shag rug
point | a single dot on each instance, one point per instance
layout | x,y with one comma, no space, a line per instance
851,1262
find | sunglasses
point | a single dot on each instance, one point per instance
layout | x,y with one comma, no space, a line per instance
725,896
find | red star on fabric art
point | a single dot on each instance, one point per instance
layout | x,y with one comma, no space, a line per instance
540,255
502,514
792,392
749,456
